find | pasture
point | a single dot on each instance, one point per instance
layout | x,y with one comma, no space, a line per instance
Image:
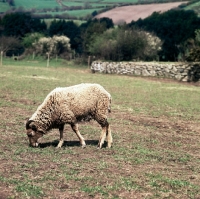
83,9
38,4
4,7
155,127
135,12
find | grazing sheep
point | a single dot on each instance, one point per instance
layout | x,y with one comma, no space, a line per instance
69,105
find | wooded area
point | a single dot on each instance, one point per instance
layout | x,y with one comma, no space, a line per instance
169,36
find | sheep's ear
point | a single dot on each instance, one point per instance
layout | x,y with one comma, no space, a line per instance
30,133
30,124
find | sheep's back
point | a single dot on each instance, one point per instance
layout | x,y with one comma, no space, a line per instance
82,99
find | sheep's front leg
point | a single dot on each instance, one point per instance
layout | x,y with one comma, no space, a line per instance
80,137
102,137
61,129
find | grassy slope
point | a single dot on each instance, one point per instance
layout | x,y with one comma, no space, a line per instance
195,7
38,4
41,4
155,127
4,7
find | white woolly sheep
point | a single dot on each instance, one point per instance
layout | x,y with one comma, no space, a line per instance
70,105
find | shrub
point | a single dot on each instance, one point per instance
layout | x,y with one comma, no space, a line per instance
119,45
55,45
30,38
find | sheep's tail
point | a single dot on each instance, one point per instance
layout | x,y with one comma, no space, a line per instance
109,107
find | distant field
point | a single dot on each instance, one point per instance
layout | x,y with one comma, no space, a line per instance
191,6
73,3
4,7
120,1
81,13
118,14
129,13
38,4
194,6
83,4
74,13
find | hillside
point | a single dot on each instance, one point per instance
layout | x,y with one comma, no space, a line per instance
194,6
80,9
130,13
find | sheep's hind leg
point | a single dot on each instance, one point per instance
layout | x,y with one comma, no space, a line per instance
105,132
109,136
61,129
80,137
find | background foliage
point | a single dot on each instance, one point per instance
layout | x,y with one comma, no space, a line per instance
173,33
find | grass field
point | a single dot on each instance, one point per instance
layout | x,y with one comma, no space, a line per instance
4,7
155,127
38,4
75,13
86,7
195,7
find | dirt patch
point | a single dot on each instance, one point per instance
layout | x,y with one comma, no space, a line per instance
133,13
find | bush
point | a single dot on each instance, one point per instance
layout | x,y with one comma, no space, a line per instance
194,54
55,45
30,38
119,45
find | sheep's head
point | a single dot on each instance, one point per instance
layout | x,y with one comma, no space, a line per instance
33,133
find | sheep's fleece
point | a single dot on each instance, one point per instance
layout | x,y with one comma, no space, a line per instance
69,105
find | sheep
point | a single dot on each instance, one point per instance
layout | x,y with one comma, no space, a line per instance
70,105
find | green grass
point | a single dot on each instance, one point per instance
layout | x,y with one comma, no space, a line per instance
4,7
155,127
38,4
194,6
74,13
82,12
120,1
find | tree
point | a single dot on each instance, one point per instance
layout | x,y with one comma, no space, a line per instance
125,44
94,13
11,2
194,53
174,27
31,38
69,29
19,24
10,45
72,31
56,27
91,29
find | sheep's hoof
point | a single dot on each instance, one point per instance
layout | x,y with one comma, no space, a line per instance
84,146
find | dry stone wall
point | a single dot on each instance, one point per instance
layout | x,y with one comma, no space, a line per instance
182,71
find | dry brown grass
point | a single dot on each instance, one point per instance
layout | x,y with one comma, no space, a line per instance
130,13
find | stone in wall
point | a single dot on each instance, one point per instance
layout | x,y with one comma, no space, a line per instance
178,70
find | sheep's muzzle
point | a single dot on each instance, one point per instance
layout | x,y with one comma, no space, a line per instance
33,137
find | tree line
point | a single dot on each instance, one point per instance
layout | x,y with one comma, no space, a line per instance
170,36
